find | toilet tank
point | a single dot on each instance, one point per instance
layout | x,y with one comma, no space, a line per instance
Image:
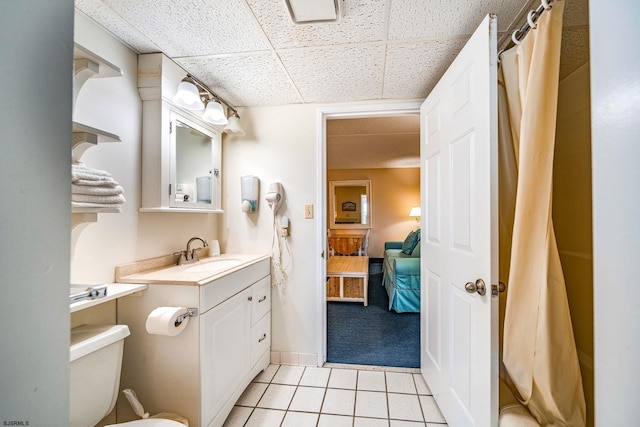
96,361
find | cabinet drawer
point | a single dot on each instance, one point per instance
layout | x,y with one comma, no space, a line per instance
261,299
260,338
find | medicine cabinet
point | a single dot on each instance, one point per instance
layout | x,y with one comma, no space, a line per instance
181,154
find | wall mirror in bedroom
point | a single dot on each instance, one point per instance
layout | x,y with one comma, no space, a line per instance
350,204
194,173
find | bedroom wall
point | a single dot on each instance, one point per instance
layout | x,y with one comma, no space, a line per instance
393,193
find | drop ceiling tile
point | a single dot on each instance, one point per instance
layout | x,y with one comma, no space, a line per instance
413,69
361,21
244,79
336,74
117,26
409,19
197,27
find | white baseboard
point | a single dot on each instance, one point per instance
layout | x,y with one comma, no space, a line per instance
292,358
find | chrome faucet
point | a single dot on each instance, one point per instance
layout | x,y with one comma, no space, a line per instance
190,255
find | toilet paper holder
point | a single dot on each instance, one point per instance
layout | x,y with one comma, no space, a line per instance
191,312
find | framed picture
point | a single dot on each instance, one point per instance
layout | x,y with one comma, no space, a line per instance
349,206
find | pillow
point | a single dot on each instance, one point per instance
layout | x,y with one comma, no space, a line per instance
410,242
416,250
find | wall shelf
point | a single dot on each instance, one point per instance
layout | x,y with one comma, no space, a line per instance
88,65
85,137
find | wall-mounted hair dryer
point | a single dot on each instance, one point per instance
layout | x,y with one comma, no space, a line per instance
275,196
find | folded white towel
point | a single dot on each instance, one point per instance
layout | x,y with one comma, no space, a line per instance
95,205
105,200
92,183
96,190
81,174
81,167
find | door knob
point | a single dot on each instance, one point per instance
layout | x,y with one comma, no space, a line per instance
478,287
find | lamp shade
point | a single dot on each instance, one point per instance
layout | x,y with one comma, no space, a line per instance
214,113
188,96
415,211
234,127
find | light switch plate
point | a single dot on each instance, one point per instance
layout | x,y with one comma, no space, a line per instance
308,211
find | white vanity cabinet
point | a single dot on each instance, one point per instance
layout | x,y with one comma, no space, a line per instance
201,372
235,336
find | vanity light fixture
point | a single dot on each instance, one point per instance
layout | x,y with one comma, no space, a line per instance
194,95
234,127
188,96
214,113
415,212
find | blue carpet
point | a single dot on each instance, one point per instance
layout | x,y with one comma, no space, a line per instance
372,335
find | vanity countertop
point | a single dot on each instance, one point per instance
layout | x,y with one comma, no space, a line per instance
163,270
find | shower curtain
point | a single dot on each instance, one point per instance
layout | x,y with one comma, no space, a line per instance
539,352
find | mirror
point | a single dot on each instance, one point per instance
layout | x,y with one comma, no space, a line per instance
350,204
193,176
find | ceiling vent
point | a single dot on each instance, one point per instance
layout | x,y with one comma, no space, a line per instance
313,11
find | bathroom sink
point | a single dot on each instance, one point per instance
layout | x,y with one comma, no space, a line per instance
213,265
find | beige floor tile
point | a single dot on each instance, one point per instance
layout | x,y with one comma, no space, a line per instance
277,396
404,407
267,375
288,375
399,423
300,419
421,385
372,404
398,382
370,422
315,377
238,416
327,420
265,418
339,402
371,381
307,399
430,410
252,394
343,378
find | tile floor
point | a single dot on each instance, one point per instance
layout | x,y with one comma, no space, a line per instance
299,396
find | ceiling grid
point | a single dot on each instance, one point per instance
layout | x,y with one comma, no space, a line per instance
252,54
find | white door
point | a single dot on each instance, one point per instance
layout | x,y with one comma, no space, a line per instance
459,341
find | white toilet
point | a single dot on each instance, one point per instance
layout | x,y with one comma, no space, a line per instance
96,361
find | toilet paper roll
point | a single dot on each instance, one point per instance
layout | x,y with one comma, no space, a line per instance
163,321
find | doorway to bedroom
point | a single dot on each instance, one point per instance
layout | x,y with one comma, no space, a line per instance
383,149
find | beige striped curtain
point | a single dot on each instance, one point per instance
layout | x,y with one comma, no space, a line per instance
539,352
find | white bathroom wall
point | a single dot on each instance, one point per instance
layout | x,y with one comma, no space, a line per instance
280,145
35,117
113,104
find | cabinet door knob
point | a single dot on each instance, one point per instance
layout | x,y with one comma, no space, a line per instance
264,297
263,337
250,298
